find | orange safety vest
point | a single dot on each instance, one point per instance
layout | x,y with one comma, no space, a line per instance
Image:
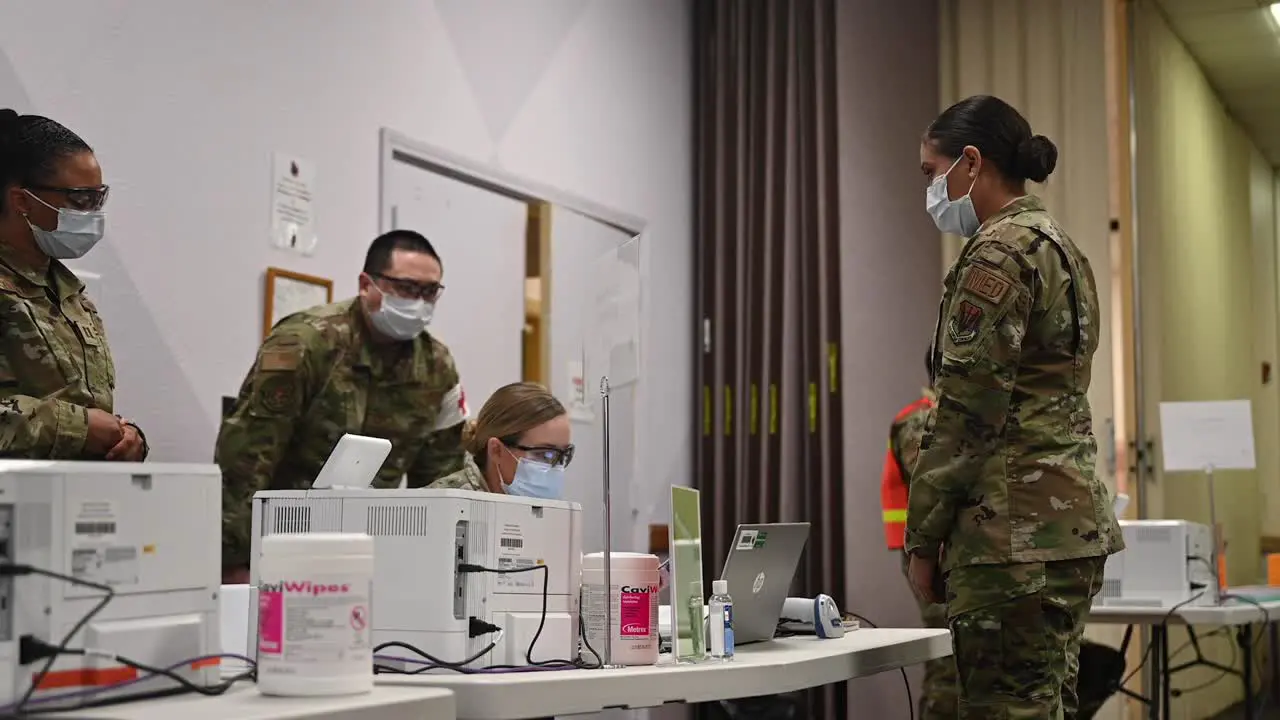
894,484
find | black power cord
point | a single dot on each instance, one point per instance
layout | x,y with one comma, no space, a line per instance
479,627
542,621
12,570
38,649
1164,625
906,682
32,649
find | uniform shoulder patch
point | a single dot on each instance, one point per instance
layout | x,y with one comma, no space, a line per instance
986,284
963,325
280,359
277,394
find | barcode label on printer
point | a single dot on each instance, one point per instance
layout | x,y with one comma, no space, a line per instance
511,543
95,528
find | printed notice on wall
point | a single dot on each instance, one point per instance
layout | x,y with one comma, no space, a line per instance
292,195
1207,436
579,408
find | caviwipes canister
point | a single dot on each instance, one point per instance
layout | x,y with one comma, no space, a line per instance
634,597
314,604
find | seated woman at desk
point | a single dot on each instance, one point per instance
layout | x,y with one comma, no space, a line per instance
519,445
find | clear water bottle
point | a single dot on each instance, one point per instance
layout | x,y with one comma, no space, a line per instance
721,621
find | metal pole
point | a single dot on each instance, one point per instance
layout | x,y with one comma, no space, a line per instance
1141,478
1216,539
608,530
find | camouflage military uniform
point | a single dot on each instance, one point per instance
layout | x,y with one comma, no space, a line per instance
317,377
468,478
54,362
1005,477
938,701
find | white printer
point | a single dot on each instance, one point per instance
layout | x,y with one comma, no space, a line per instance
150,532
1164,563
421,597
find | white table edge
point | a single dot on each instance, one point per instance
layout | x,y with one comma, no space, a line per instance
531,695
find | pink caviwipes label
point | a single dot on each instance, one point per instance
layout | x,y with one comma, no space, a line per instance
634,611
270,622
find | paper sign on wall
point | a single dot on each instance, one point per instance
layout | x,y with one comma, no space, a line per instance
1207,436
579,408
292,218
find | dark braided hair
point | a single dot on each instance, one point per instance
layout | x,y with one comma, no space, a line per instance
30,148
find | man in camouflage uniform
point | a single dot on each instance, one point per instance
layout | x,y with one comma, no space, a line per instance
364,366
1005,480
938,701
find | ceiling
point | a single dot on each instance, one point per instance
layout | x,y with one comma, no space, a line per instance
1237,43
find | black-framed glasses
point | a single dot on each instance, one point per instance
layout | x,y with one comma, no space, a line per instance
404,287
553,456
86,199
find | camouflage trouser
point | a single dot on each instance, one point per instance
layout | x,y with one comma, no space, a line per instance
938,702
1015,633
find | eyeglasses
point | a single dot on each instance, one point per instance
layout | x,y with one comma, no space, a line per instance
552,456
78,198
407,288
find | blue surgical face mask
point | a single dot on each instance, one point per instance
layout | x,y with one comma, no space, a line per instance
537,480
951,216
77,232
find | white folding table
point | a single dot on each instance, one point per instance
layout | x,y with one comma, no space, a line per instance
1238,615
767,668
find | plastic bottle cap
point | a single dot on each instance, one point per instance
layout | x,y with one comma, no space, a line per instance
720,587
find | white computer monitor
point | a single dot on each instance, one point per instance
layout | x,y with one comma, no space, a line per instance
354,463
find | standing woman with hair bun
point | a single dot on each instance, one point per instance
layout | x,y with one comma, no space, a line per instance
57,378
1004,500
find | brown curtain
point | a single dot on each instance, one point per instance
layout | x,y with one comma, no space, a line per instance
767,284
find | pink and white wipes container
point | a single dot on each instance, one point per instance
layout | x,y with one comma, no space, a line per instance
315,631
634,597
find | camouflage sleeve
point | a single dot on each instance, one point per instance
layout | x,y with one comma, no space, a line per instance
442,452
42,429
980,343
254,437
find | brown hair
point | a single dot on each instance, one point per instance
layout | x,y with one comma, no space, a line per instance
510,412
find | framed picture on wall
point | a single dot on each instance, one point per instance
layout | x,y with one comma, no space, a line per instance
288,292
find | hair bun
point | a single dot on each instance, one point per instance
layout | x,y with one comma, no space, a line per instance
468,433
8,120
1037,157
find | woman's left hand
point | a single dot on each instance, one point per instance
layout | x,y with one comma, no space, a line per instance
130,448
923,573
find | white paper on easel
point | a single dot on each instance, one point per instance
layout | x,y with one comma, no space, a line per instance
1200,436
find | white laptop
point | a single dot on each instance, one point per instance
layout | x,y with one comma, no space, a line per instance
354,463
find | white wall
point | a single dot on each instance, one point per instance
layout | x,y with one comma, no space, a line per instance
185,103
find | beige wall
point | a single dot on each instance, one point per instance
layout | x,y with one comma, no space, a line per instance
1207,254
1048,59
1049,63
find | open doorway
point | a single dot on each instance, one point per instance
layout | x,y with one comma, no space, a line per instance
537,254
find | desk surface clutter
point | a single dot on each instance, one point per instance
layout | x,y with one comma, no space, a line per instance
777,666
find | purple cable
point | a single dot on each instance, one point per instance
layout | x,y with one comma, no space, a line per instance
89,692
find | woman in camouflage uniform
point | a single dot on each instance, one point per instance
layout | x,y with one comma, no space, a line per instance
520,444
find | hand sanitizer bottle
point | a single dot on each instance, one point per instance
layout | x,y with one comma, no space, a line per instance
721,621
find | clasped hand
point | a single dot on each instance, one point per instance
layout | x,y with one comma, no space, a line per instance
113,438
